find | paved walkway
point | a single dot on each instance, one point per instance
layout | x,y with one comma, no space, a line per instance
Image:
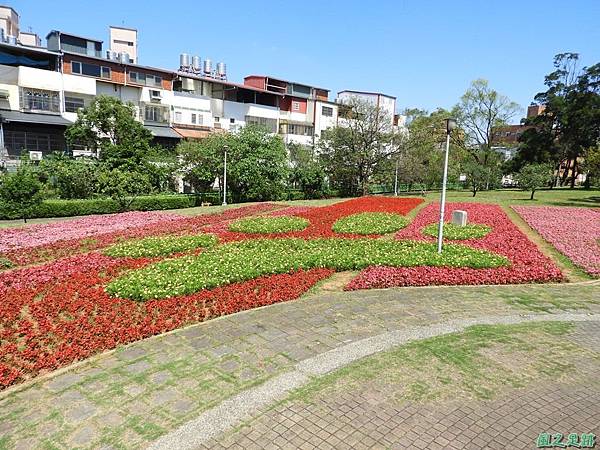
131,397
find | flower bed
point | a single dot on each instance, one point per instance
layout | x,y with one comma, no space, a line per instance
575,232
239,261
454,232
370,223
69,316
44,251
321,219
528,264
159,246
263,225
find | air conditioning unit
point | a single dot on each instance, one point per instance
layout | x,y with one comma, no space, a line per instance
4,94
35,156
155,95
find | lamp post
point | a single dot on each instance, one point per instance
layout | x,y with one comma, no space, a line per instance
450,125
225,177
396,179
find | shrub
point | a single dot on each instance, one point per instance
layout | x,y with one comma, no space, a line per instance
160,245
5,263
370,223
76,207
281,224
245,260
455,233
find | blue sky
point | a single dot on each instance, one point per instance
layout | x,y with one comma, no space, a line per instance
423,52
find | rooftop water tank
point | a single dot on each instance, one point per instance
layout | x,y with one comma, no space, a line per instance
221,69
184,60
207,66
124,58
196,63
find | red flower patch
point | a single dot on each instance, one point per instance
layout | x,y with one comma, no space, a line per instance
528,264
58,313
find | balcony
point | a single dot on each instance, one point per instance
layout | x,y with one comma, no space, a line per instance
39,100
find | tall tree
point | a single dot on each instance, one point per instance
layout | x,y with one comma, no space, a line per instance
108,127
306,170
357,148
570,122
479,111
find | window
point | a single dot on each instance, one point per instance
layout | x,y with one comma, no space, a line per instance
105,72
297,129
127,43
145,79
295,106
327,111
232,120
217,119
178,116
73,104
19,142
155,114
194,118
76,67
269,124
39,100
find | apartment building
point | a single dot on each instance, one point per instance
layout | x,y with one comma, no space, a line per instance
42,88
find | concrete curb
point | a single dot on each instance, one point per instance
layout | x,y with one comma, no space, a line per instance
243,406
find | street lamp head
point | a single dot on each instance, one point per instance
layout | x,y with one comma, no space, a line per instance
450,125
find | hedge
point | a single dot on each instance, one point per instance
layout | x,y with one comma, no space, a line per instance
84,207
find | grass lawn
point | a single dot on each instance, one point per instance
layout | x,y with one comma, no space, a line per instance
478,363
549,197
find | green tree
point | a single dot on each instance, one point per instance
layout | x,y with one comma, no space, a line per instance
570,122
21,192
201,162
533,176
123,186
257,165
70,178
592,165
479,111
108,127
307,172
357,149
481,176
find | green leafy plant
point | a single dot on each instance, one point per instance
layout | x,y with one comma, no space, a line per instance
281,224
456,233
5,263
21,192
160,246
245,260
370,223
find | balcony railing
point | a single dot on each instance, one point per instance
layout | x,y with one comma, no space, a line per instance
39,100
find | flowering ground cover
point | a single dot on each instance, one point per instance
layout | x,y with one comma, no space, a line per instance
575,232
59,312
239,261
38,248
273,224
160,245
64,309
527,263
454,232
370,223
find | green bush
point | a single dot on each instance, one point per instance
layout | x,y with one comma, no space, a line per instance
5,263
68,208
457,233
280,224
370,223
244,260
160,245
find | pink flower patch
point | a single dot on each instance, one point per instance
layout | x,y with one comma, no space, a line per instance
575,232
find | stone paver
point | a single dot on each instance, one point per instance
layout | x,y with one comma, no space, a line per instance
369,416
155,385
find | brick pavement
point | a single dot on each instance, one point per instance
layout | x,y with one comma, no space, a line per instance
370,416
130,397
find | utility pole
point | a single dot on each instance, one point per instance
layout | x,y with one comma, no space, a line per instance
225,178
450,125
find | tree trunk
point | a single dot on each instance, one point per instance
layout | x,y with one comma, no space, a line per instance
532,192
574,173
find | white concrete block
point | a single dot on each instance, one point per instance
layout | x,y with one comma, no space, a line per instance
459,218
